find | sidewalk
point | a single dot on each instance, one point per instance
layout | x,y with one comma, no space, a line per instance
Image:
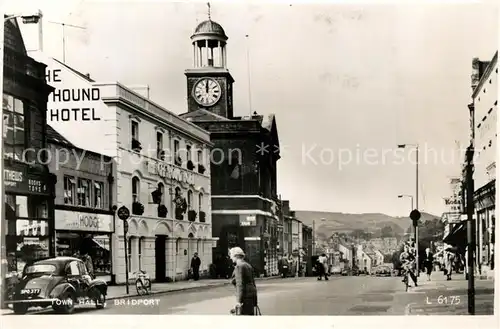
441,297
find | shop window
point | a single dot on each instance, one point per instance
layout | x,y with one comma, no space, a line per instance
190,200
140,250
135,189
83,192
35,228
69,190
200,202
14,127
98,194
136,145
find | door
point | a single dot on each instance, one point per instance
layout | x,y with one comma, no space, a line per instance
160,246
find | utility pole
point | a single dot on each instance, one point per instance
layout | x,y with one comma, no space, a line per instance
471,225
64,36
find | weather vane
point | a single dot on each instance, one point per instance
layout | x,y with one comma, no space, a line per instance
208,5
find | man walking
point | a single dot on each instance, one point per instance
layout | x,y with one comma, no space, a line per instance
322,266
195,266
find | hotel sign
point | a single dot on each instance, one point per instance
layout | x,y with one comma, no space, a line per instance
168,171
82,221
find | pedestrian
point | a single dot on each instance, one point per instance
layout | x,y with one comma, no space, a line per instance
243,280
428,262
89,264
449,260
322,260
195,266
407,258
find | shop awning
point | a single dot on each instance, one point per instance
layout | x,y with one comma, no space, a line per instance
457,236
100,245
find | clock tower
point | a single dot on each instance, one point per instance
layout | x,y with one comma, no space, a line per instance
209,83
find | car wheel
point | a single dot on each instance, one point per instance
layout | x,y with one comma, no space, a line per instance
20,308
67,305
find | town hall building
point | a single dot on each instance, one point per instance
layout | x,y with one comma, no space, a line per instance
244,190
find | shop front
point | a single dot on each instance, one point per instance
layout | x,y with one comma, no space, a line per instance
83,233
29,215
485,224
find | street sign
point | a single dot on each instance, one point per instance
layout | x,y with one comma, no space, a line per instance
415,215
123,213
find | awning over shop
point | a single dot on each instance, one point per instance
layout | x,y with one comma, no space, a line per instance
457,236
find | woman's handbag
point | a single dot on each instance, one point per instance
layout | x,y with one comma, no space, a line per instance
257,310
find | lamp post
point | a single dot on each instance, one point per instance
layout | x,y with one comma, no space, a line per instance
27,19
471,223
416,200
407,196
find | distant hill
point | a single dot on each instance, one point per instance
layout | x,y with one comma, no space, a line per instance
335,222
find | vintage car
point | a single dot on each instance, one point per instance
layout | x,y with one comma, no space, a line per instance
60,283
383,271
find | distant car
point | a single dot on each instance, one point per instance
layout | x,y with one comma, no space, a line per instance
335,270
60,283
345,271
383,271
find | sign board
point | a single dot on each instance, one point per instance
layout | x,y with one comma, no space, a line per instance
248,221
165,170
82,221
18,180
77,102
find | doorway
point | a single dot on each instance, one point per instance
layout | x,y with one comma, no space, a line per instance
160,258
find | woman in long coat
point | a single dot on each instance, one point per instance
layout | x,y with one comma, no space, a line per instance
243,280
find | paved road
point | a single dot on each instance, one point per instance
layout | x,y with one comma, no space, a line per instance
362,295
294,296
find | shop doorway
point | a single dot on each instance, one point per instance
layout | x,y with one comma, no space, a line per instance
160,255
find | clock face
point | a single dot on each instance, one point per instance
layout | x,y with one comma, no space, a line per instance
207,92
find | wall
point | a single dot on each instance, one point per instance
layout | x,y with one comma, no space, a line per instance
485,128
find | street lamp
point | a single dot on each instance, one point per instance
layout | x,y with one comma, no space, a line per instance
27,19
407,196
402,146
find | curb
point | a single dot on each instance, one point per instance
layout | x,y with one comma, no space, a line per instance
163,292
408,308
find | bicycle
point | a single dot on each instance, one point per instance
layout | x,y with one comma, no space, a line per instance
142,283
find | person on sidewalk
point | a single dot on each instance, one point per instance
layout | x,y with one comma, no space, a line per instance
195,266
428,262
407,259
243,280
322,266
449,260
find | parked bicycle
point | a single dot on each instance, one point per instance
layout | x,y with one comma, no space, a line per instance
142,283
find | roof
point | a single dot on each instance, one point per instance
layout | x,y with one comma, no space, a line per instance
80,74
54,136
210,27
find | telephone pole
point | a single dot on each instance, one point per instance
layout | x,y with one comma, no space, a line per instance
471,225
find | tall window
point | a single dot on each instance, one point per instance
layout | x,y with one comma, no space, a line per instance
135,189
129,253
83,192
188,152
190,200
200,202
13,121
177,191
98,194
141,242
161,189
135,130
159,146
176,147
69,190
199,156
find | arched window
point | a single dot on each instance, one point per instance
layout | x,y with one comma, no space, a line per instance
190,235
200,202
140,250
190,200
177,192
161,188
136,184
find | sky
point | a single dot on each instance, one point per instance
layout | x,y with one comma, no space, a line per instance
347,83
